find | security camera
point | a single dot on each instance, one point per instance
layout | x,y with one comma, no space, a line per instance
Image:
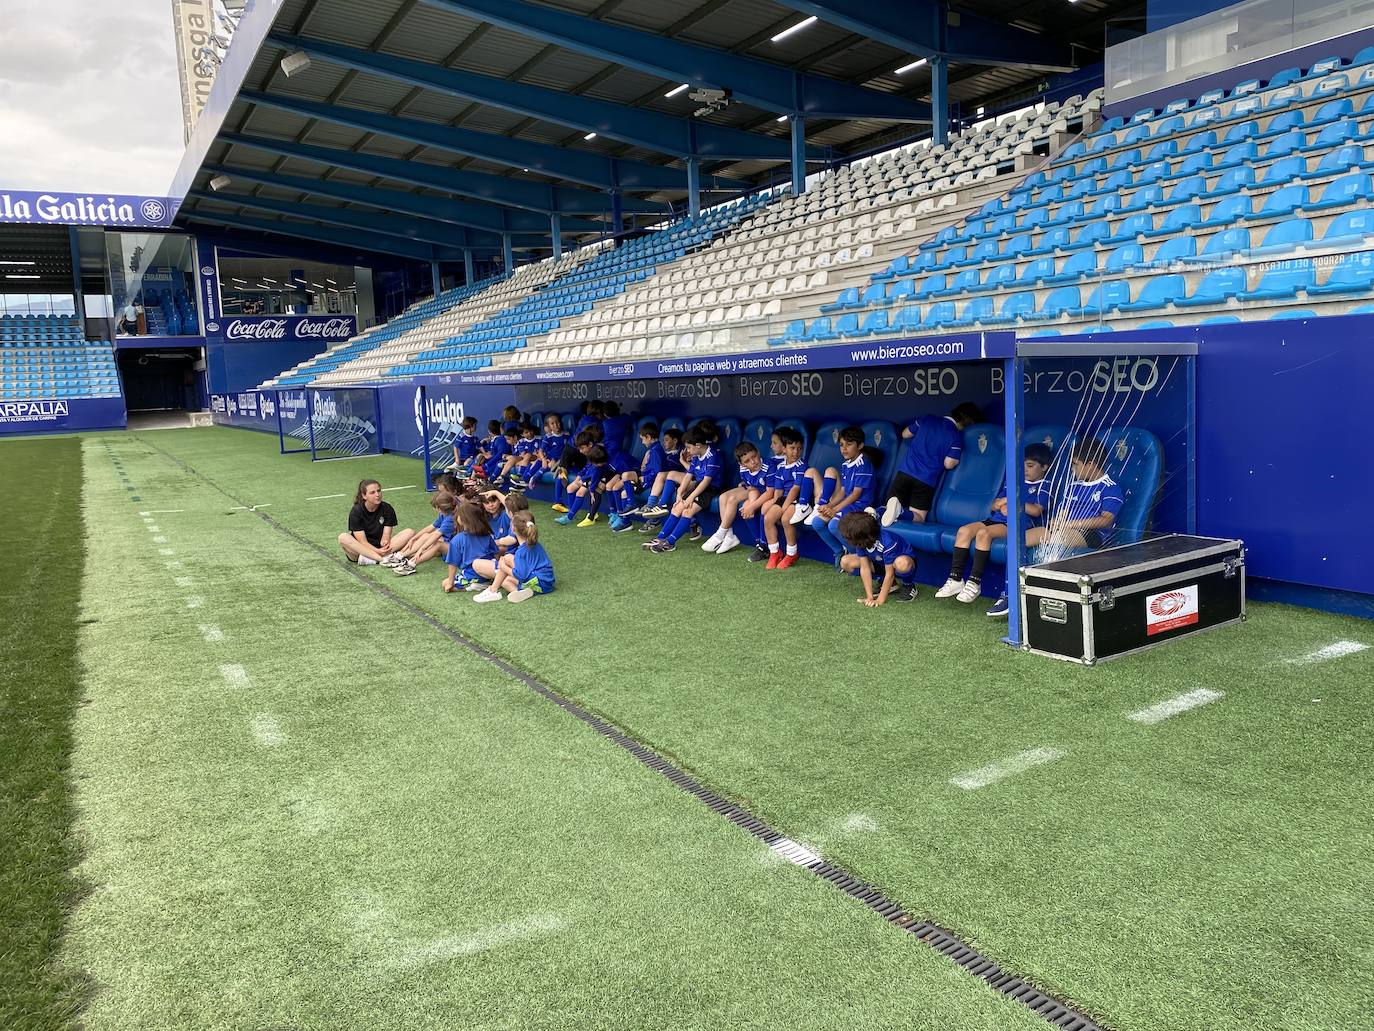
705,95
294,63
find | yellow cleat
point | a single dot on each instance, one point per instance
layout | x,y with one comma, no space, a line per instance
588,521
559,508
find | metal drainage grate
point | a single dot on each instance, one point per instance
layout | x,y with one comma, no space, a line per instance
943,941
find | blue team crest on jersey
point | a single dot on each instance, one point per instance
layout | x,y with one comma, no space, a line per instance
982,443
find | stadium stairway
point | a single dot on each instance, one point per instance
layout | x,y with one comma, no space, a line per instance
48,357
786,260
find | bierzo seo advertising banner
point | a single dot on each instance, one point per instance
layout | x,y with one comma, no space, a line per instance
103,209
324,328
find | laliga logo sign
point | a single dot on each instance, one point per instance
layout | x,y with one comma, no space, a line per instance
325,409
297,329
266,407
441,411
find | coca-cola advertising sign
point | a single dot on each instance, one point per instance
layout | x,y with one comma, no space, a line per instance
327,328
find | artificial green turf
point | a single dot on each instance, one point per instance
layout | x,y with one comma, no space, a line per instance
1209,871
370,827
39,687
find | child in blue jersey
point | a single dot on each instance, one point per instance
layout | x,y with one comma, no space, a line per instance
524,460
615,428
500,508
700,484
874,548
786,478
664,483
586,486
936,445
746,499
1036,492
621,466
465,445
552,443
841,491
526,572
430,542
471,554
499,452
574,460
630,480
592,414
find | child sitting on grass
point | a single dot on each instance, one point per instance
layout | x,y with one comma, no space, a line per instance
1035,464
527,572
874,547
471,554
432,541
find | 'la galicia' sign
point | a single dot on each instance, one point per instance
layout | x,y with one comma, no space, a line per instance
289,327
86,209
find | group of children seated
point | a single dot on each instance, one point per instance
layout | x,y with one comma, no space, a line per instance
775,495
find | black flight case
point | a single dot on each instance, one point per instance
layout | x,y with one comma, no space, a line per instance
1125,599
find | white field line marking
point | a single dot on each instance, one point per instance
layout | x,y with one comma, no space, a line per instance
326,497
149,519
235,676
407,486
442,949
1161,711
145,516
1004,768
167,551
858,823
250,508
195,601
1332,651
794,852
211,632
164,511
175,564
267,731
185,581
160,539
153,529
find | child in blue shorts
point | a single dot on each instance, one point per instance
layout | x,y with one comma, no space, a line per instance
471,554
875,548
840,491
430,542
465,445
527,572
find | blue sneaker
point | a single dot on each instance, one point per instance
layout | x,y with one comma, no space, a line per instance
619,525
563,520
1000,606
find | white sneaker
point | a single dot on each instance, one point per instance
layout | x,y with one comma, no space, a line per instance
524,594
715,540
970,592
403,569
729,544
801,514
950,589
892,511
486,596
392,560
475,586
363,560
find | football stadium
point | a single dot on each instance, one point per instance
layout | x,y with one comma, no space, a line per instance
701,514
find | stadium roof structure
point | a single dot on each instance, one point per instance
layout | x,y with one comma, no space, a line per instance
432,129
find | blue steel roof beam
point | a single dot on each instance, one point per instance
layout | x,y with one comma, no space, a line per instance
646,129
923,27
416,173
363,242
421,230
438,209
560,162
770,86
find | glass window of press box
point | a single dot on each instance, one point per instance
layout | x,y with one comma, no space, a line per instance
253,285
153,284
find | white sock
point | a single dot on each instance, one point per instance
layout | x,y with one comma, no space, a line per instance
773,547
363,560
792,549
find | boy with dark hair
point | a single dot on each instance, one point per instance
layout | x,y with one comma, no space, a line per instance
585,488
787,479
848,489
592,413
1036,492
501,449
699,485
746,499
1086,515
465,445
615,428
524,458
663,487
937,444
875,548
651,463
552,443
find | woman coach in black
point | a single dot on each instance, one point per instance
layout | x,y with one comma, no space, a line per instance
371,523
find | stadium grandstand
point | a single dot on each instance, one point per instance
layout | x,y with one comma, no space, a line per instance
850,364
